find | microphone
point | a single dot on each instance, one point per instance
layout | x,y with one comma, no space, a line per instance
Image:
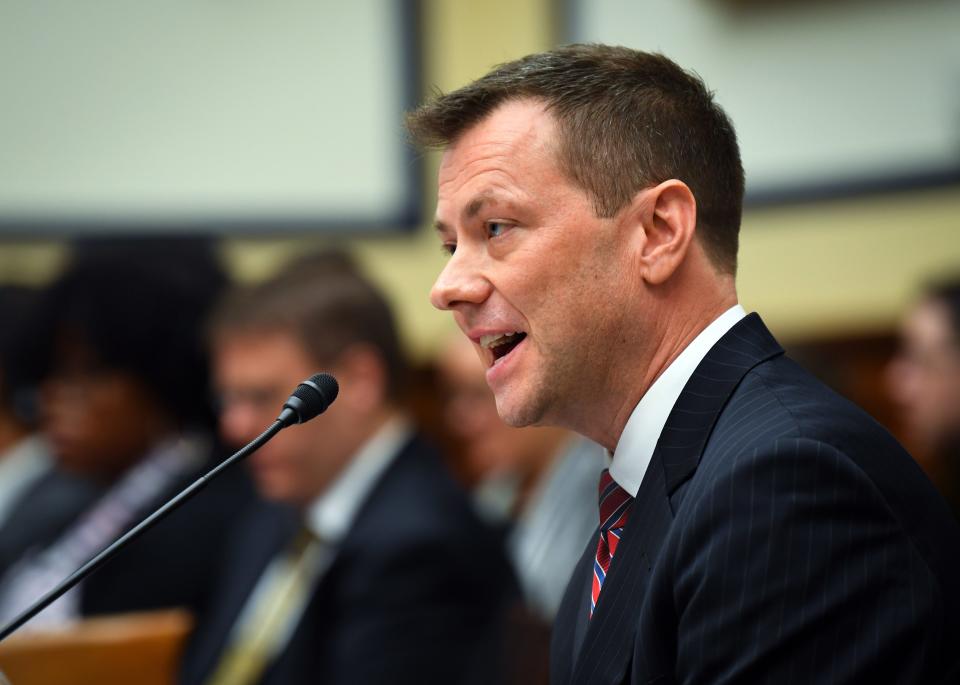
312,397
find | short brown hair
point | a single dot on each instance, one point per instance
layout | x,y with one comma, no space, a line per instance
628,120
327,303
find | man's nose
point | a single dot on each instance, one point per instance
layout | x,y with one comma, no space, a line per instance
459,283
238,424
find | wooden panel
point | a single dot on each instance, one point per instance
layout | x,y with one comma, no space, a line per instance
134,648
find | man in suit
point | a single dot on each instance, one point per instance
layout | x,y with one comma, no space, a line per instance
755,526
367,564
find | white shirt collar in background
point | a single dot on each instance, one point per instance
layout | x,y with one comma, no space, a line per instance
643,428
331,515
20,467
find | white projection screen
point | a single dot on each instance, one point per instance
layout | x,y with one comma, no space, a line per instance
206,115
828,98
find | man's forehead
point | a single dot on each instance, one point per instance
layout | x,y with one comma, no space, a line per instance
515,123
261,351
517,133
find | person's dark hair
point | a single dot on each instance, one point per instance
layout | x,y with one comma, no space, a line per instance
138,307
19,359
948,292
327,303
627,120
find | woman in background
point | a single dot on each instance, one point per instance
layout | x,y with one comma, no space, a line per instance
924,381
125,405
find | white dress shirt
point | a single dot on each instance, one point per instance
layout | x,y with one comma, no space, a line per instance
329,517
20,467
642,431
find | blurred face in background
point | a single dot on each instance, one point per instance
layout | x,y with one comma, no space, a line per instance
99,421
924,378
254,374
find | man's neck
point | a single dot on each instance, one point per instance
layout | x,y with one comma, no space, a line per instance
364,430
665,342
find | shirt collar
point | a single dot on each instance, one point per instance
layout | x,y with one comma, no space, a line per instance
20,466
331,514
642,431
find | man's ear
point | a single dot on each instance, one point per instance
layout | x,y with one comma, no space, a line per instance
663,222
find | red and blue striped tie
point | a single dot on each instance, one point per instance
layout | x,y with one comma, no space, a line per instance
615,504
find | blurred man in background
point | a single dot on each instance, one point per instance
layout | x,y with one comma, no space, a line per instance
538,480
924,382
125,406
367,565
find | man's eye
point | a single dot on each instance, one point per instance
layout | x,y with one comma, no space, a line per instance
495,228
448,249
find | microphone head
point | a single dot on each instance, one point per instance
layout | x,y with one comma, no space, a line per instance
312,397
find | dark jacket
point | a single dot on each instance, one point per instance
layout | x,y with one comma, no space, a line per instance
779,535
414,593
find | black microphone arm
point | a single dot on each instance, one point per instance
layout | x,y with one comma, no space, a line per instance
311,397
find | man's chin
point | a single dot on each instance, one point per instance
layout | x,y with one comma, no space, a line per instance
277,491
517,413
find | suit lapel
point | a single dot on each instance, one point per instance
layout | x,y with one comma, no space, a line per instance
704,396
608,643
259,538
363,528
570,622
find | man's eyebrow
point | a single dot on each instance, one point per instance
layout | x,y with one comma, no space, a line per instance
475,205
470,211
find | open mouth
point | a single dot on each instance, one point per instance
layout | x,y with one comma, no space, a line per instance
501,344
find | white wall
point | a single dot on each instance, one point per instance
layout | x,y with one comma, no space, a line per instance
821,93
200,110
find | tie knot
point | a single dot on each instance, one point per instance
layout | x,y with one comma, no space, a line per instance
301,541
614,502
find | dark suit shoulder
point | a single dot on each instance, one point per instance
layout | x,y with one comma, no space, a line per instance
811,521
417,498
418,520
44,512
819,414
417,588
817,411
175,563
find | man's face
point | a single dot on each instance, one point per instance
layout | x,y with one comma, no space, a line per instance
535,279
254,374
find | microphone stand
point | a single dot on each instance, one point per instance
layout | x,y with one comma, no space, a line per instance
92,565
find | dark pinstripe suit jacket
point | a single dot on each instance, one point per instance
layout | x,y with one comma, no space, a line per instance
779,536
